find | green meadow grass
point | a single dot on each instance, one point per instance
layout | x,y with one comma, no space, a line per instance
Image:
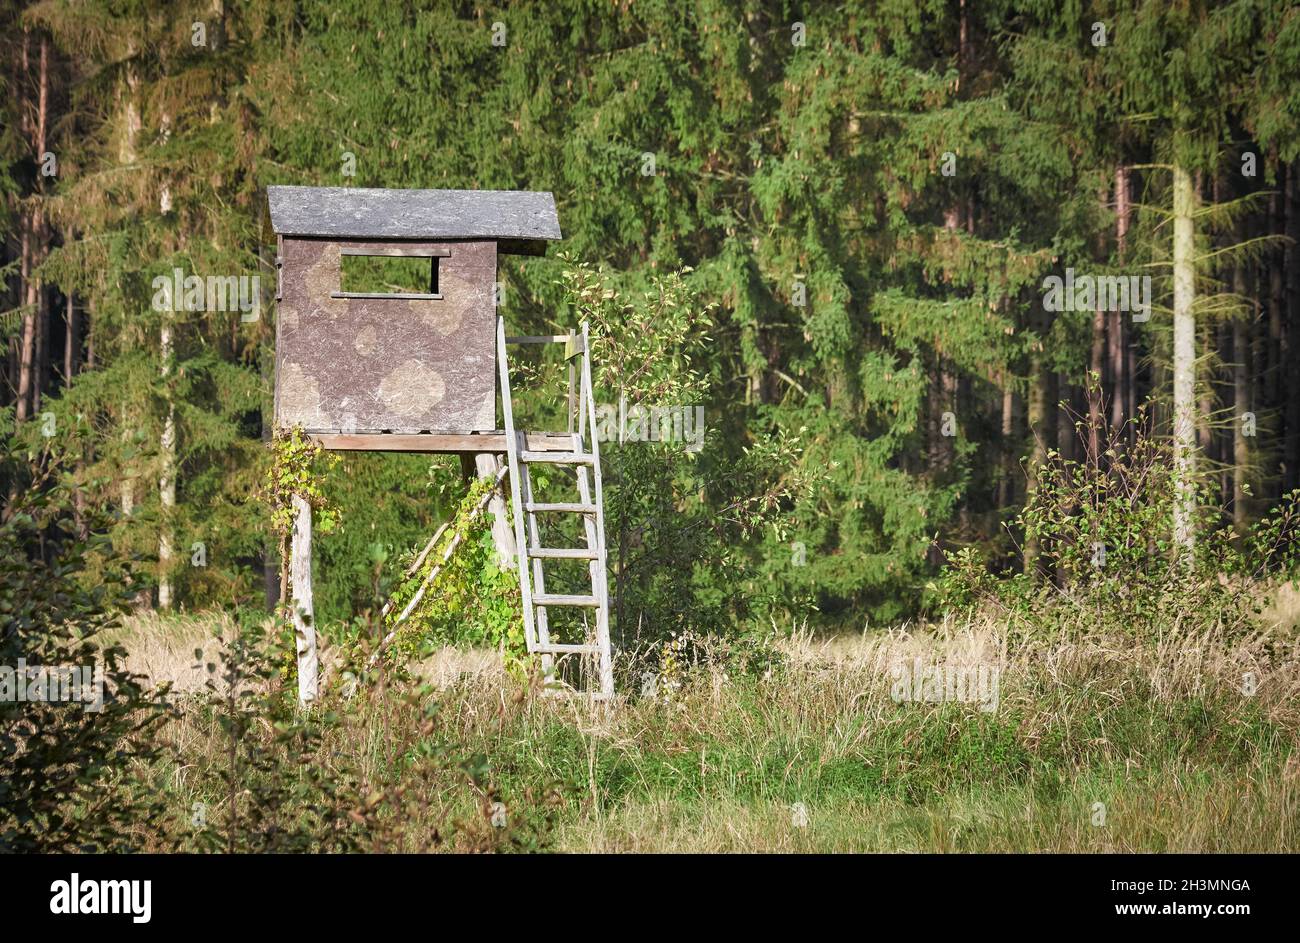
1094,746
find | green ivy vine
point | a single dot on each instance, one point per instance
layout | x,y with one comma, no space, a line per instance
296,469
473,601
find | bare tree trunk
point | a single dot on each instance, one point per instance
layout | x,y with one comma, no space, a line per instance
1130,367
1241,406
1204,409
27,223
943,383
1117,333
1066,441
1041,410
1217,337
1096,383
43,101
1291,330
1243,385
126,156
27,346
1275,262
1220,439
167,476
41,356
69,340
1116,340
41,233
1184,198
1005,486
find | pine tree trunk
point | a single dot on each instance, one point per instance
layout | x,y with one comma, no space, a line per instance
41,233
69,340
1291,331
1041,409
41,356
943,383
126,156
1066,441
1184,366
1130,386
1220,440
1240,406
1116,339
27,222
1096,384
1006,492
1275,262
1117,333
167,477
27,346
1204,409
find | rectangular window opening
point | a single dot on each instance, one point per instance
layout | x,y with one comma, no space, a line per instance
387,275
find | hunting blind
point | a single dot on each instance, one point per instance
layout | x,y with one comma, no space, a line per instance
387,339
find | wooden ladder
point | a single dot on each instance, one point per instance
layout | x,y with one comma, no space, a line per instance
583,456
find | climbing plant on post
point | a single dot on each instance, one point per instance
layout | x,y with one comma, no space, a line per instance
295,495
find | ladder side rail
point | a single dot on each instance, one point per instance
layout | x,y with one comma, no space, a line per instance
512,454
601,591
539,575
594,569
584,394
572,406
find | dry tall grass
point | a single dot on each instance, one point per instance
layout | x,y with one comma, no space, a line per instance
1188,742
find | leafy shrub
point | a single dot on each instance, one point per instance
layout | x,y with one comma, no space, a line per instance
683,528
63,782
1106,557
352,774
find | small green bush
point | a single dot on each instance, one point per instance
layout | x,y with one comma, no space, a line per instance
1106,556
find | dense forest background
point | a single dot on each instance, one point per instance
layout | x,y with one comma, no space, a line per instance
865,199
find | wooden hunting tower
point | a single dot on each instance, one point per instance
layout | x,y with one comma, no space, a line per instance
412,362
399,362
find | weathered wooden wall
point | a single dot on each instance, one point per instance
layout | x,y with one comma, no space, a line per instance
385,364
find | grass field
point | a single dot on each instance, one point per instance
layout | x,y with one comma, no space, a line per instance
1185,743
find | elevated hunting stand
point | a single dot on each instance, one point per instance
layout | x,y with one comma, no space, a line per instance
377,366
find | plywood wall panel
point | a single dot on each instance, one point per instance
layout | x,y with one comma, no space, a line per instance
382,364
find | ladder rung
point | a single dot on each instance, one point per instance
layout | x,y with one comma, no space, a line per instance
548,648
532,506
553,599
546,339
562,553
557,458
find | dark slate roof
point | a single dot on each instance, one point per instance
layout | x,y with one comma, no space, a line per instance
355,213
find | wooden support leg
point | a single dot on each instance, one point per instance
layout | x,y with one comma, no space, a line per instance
304,620
503,534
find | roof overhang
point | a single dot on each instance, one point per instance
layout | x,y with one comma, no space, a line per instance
520,221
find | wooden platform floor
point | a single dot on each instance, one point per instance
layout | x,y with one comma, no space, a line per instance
494,441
